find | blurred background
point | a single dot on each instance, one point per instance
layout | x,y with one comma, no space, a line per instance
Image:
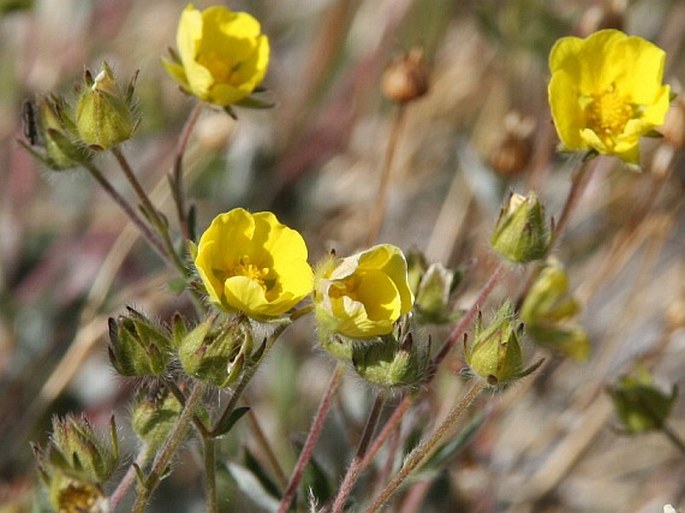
69,260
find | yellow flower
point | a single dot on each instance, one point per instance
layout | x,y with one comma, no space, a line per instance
223,56
362,296
253,264
606,91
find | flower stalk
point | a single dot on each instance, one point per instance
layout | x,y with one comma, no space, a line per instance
426,447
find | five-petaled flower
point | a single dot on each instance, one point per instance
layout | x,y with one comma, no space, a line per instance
606,91
363,295
252,263
222,54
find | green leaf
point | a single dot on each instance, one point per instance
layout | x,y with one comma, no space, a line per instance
250,102
261,474
227,424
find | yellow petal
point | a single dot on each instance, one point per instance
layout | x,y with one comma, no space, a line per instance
245,294
567,114
177,72
640,69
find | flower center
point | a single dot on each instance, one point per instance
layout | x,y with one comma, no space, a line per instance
347,287
221,68
608,113
245,268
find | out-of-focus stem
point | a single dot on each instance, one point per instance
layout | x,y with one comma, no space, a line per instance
177,177
579,179
210,473
379,206
466,319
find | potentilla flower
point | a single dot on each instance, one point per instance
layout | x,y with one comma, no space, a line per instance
363,295
252,263
222,54
606,92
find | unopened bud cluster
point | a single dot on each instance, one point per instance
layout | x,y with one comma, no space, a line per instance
64,137
76,463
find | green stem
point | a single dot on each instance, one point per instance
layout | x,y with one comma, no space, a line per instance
181,398
312,438
426,447
130,213
210,474
120,491
356,466
155,218
579,180
378,213
673,437
163,458
244,380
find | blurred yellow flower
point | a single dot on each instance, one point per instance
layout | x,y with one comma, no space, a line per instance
362,296
223,56
252,263
606,91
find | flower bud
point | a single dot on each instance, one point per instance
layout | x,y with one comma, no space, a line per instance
548,311
68,494
406,79
48,127
105,116
495,352
362,296
433,294
390,362
521,233
216,353
77,451
138,347
154,414
640,405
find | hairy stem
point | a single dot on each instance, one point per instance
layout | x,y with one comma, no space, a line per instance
130,213
356,466
426,447
312,438
155,217
165,455
122,488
